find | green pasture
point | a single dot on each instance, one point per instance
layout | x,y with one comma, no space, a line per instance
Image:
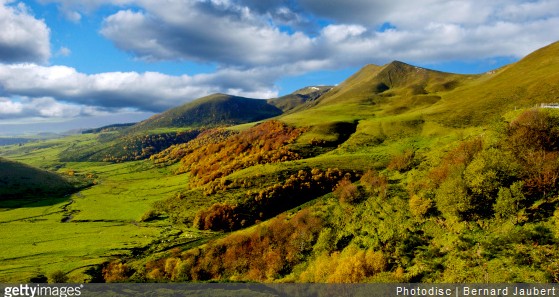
87,228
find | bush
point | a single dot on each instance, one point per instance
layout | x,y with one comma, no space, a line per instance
402,162
375,183
115,272
420,206
57,277
347,192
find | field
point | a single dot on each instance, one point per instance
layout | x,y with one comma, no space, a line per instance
103,221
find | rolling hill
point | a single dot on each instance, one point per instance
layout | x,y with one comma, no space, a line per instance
212,110
523,84
18,180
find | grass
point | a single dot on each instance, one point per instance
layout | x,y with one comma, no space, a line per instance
132,185
104,219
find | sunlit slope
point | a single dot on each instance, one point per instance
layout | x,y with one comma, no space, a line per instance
377,91
18,180
530,81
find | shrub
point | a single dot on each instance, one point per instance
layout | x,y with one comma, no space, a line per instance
347,192
375,182
116,272
57,277
219,217
420,206
403,161
267,252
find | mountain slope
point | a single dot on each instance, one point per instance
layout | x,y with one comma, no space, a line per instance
212,110
523,84
374,91
300,99
393,79
18,180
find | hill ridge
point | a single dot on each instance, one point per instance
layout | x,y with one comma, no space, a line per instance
212,110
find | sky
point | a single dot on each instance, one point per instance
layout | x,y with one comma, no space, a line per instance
68,64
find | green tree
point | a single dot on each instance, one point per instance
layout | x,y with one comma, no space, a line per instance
452,197
488,171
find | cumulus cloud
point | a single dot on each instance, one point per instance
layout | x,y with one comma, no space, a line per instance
44,108
250,34
240,33
150,91
232,36
8,107
23,38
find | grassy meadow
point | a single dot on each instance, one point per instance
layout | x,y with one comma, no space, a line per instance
103,221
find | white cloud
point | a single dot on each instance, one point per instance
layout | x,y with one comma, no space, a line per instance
23,38
426,31
150,91
246,33
44,108
204,32
8,107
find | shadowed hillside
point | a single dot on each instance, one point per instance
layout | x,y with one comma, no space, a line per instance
300,99
18,180
212,110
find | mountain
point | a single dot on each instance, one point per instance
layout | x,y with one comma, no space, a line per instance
120,143
393,79
448,99
212,110
300,99
18,180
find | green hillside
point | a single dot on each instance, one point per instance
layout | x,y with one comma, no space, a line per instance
18,181
212,110
528,82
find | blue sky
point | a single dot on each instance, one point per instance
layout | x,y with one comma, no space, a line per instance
68,64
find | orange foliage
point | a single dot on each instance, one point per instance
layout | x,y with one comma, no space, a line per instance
459,157
402,162
353,265
267,252
375,182
534,129
176,152
264,143
346,191
115,272
219,216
